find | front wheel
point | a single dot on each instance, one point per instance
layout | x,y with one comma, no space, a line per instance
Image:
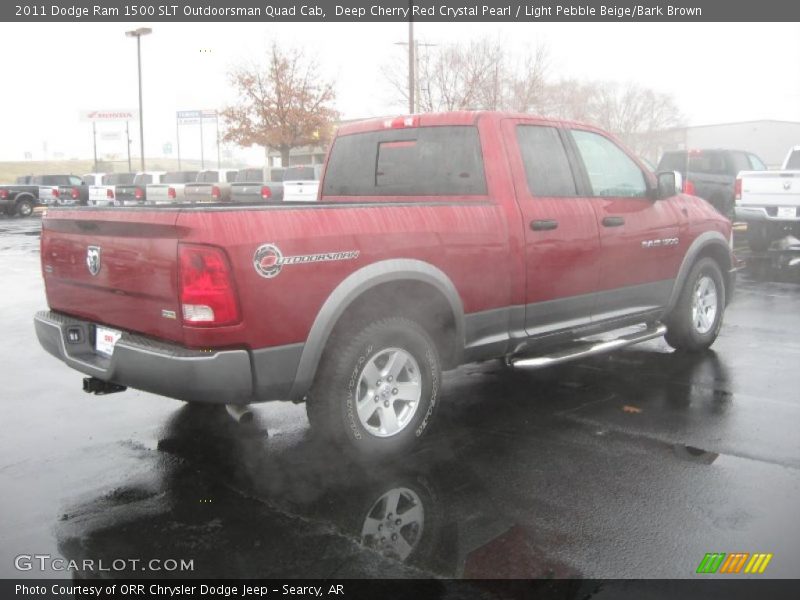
376,388
696,319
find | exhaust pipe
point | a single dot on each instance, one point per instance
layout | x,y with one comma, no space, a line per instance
93,385
240,413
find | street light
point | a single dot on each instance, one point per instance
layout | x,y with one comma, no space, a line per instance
138,33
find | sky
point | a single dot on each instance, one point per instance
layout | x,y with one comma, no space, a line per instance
717,72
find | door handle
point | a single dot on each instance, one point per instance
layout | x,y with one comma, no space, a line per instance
613,221
544,225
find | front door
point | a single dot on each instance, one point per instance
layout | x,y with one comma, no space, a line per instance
639,236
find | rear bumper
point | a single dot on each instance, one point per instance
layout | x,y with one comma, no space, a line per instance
754,214
219,377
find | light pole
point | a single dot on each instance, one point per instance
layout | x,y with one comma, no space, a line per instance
138,33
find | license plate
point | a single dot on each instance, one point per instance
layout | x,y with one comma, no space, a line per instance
105,340
787,212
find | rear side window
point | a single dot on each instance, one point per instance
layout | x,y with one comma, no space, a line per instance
420,161
612,173
793,164
299,174
230,176
75,180
757,164
547,168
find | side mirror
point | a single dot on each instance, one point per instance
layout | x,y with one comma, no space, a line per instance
669,184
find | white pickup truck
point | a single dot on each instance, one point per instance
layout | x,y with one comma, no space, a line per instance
172,188
102,187
301,183
769,202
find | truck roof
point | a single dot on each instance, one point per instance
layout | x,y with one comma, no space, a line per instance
459,117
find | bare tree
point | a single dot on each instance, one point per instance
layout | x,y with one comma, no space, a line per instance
282,105
479,75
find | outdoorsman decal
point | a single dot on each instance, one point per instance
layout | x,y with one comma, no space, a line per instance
269,260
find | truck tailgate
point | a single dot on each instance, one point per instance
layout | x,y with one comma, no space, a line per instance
114,267
300,191
762,188
198,192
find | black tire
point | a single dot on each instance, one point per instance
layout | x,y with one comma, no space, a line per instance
687,332
331,403
24,208
759,236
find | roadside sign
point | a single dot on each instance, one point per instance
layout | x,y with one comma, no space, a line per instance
121,114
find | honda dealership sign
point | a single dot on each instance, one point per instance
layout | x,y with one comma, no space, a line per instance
124,114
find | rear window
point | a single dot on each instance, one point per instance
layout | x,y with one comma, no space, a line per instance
420,161
276,175
143,179
208,177
179,177
299,174
793,164
118,179
247,175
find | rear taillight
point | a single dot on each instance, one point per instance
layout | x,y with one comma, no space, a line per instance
266,192
138,193
688,187
171,193
208,296
56,193
215,191
3,194
737,189
74,193
110,194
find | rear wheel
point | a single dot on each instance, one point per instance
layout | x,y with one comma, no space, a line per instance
696,319
25,208
377,387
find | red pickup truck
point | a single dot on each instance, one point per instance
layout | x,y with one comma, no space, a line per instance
437,240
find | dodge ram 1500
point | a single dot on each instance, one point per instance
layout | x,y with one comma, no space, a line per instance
438,240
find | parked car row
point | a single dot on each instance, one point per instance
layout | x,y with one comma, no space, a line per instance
162,187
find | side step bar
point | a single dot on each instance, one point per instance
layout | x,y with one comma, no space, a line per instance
585,349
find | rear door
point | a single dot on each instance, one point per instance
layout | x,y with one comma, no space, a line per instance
562,241
640,250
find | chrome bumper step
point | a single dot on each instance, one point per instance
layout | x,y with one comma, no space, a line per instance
584,349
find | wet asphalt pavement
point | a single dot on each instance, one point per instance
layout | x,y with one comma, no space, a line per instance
633,464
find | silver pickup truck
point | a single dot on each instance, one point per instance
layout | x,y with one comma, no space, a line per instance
769,202
213,185
172,188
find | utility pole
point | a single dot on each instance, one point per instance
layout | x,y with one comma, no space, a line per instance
138,33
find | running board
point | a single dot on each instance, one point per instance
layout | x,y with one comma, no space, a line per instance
585,349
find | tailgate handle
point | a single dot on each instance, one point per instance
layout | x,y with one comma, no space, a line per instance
544,225
613,221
